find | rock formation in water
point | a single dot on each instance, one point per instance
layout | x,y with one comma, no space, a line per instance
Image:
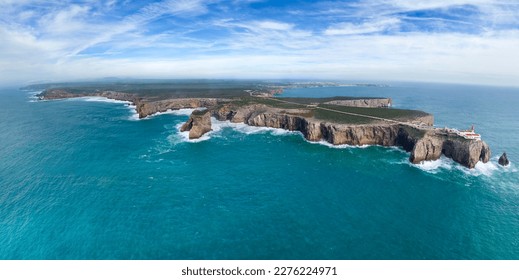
199,123
503,160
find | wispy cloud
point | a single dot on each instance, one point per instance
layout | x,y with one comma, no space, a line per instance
379,25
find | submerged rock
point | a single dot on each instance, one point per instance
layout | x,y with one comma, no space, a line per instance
199,123
503,160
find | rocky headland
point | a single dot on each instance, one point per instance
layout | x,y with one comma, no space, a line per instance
328,121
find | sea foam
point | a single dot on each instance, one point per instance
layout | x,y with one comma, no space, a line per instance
340,146
434,166
33,96
490,168
133,109
179,112
247,129
481,169
103,99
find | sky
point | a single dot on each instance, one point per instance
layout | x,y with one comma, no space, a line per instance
451,41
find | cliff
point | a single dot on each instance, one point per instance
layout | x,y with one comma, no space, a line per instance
148,108
464,151
424,144
199,123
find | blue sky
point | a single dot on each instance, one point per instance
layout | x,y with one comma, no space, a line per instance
459,41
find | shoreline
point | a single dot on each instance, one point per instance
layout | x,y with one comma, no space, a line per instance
412,134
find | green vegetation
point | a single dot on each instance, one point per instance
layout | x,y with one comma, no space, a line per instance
335,117
386,113
248,100
303,100
157,89
238,93
199,112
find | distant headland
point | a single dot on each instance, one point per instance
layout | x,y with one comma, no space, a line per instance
337,120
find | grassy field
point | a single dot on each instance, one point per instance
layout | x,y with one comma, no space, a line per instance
335,117
386,113
238,91
248,100
303,100
157,90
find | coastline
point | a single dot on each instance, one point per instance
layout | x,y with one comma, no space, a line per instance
413,134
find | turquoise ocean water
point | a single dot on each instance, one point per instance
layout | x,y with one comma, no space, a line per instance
83,179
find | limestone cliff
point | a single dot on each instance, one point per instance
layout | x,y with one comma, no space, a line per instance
199,123
423,144
148,108
466,152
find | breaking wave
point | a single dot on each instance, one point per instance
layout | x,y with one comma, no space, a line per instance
179,112
341,146
248,129
481,169
133,109
102,99
135,115
33,95
218,126
434,166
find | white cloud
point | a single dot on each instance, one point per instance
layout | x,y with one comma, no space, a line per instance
61,45
65,21
274,25
175,7
379,25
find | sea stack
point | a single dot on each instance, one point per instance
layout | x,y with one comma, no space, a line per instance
198,124
503,160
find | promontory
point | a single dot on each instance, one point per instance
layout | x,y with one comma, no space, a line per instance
336,120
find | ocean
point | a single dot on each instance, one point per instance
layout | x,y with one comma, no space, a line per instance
85,179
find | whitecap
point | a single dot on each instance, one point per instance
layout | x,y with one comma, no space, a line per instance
135,115
183,136
103,99
434,166
490,168
133,109
480,169
178,112
340,146
247,129
218,126
509,168
33,96
486,169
